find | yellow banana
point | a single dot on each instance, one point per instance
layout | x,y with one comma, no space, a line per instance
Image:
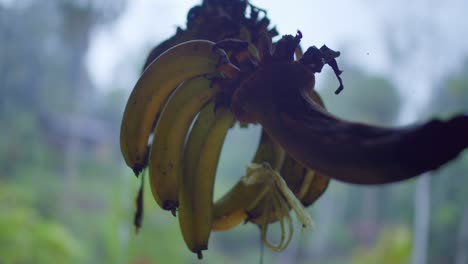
231,209
161,77
196,185
166,151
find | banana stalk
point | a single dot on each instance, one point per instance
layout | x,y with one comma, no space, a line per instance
277,97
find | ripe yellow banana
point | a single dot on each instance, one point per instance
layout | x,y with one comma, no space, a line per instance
196,185
231,209
161,77
166,153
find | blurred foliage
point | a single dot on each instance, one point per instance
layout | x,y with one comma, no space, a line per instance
392,246
27,237
66,197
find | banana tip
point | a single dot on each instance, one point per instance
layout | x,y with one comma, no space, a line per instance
199,254
137,170
171,206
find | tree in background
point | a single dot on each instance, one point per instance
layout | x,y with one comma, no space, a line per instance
46,110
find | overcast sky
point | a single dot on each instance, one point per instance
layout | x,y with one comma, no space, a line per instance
431,35
146,22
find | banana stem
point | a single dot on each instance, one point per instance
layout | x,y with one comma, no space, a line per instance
360,153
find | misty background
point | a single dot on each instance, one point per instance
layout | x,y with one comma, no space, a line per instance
67,68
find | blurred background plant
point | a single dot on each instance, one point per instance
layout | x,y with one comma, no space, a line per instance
67,67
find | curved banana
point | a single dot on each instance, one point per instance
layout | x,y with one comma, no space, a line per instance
307,180
161,77
318,185
166,151
231,209
196,185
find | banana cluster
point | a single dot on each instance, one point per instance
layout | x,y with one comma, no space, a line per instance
176,120
224,69
175,102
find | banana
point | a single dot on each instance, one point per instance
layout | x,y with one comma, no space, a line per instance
276,97
166,151
231,209
161,77
306,184
196,184
318,185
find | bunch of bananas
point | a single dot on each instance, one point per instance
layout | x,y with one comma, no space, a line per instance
177,102
182,159
224,68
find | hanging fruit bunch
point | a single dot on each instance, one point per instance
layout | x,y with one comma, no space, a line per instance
224,68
